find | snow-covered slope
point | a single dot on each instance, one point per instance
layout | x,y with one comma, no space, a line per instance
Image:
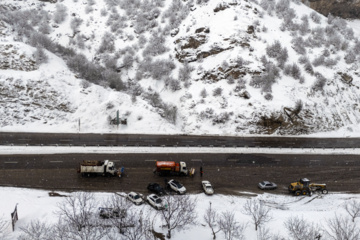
197,67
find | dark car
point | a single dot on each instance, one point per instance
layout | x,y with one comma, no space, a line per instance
156,188
264,185
111,213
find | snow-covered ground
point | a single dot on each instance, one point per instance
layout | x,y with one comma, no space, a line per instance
317,209
19,150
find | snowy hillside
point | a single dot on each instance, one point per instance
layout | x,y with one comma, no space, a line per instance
198,67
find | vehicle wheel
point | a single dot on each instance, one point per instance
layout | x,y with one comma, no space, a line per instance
297,193
324,191
304,192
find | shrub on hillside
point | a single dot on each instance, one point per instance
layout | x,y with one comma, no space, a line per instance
318,61
350,57
298,44
170,112
75,23
292,70
307,64
268,96
319,82
85,69
107,43
60,13
156,45
217,91
304,27
114,80
203,93
278,52
266,79
185,72
38,39
330,62
181,11
335,40
281,7
161,68
221,118
40,56
315,17
172,84
44,27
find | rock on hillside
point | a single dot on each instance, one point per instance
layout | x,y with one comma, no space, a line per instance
340,8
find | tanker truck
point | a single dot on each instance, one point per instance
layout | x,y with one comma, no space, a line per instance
103,168
172,168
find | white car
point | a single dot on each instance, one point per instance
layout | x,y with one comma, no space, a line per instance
208,189
155,201
136,198
176,186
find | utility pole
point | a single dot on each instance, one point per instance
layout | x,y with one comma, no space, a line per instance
117,119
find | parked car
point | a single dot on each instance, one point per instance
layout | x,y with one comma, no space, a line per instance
156,188
155,201
176,186
208,189
136,198
111,212
265,185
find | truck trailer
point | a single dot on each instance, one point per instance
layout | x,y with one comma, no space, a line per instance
172,168
95,168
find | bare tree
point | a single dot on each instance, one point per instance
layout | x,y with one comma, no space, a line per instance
77,213
265,234
4,228
36,230
353,209
259,213
211,218
230,227
179,213
140,226
341,228
299,229
123,207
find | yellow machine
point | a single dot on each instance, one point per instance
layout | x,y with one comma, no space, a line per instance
304,187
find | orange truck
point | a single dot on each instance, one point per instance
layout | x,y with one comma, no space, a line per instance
172,168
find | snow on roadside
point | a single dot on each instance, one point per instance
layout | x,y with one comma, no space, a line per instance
6,150
37,204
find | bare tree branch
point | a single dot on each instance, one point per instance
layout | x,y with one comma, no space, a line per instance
353,209
230,227
77,216
36,230
299,229
211,218
259,213
4,228
341,228
179,213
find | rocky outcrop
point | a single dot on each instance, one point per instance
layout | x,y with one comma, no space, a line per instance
192,48
11,58
340,8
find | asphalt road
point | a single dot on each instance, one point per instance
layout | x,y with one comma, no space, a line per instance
73,139
229,173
